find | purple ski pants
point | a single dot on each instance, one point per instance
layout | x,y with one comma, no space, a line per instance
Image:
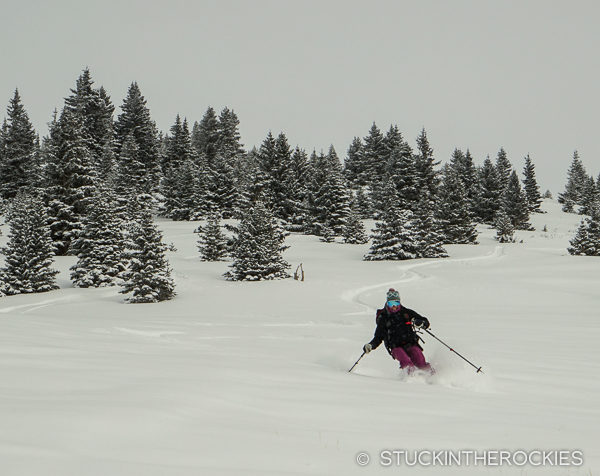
410,357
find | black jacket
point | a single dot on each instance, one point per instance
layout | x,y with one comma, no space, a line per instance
396,329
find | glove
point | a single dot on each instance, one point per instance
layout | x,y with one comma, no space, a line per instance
367,348
421,323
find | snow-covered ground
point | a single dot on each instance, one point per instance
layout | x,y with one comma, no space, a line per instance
251,378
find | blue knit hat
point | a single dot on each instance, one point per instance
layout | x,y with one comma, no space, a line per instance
392,295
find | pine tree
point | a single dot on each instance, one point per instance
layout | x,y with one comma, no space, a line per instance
576,180
402,171
456,222
18,150
212,242
463,165
135,119
258,247
99,246
374,156
425,165
148,276
205,136
515,204
354,230
490,199
394,237
532,190
586,242
29,252
297,190
354,164
504,229
503,168
590,197
430,238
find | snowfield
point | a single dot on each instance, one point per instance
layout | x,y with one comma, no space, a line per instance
245,378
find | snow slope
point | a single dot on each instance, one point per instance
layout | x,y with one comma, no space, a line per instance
251,378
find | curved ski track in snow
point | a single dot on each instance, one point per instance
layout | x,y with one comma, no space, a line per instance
408,274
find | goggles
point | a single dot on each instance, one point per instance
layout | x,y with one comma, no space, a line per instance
392,304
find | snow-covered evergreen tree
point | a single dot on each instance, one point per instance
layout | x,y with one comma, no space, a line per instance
590,197
17,156
463,165
374,156
505,232
258,246
354,164
135,119
100,244
515,204
212,242
576,181
394,236
503,169
430,238
453,214
354,230
532,189
148,276
490,198
402,171
586,242
425,165
29,253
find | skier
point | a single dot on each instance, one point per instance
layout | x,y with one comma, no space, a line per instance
395,328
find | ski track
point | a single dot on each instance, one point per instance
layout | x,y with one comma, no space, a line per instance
408,275
31,307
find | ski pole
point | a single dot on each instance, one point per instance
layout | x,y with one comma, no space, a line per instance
451,349
363,354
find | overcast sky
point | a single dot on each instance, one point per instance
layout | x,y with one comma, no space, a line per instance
477,74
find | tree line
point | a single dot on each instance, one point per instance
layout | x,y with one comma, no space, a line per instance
95,180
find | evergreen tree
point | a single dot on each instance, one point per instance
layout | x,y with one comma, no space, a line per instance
297,190
503,168
532,190
453,213
229,145
205,136
212,242
425,165
590,198
429,237
374,156
490,199
99,246
18,150
148,276
258,247
505,232
515,204
402,171
29,252
394,237
135,119
465,170
354,164
71,178
586,242
576,180
354,230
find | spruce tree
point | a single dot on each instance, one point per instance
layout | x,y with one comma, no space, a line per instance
515,204
354,164
490,199
99,246
394,236
453,213
504,228
135,119
425,165
212,242
428,230
586,242
29,253
148,276
576,181
590,197
354,231
532,189
375,156
503,168
402,171
18,150
257,248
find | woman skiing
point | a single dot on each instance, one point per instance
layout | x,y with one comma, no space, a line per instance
395,328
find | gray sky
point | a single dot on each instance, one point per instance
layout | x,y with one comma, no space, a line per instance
476,74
